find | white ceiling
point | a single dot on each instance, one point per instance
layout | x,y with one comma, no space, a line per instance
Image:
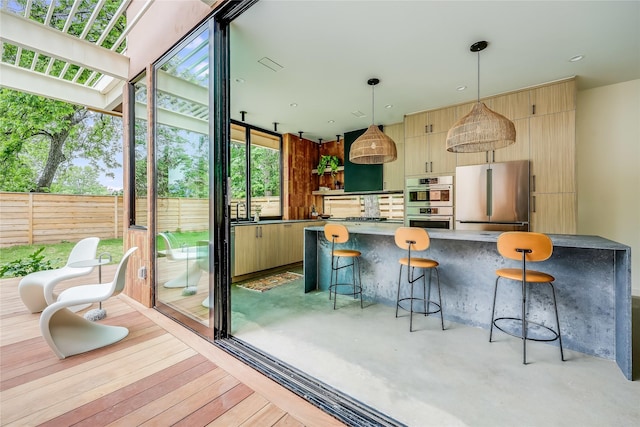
420,52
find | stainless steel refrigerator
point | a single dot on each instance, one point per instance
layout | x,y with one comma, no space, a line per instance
493,196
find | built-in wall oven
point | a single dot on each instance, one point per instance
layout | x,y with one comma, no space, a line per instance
429,202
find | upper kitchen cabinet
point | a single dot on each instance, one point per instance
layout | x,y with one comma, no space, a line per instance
553,98
428,122
393,172
513,106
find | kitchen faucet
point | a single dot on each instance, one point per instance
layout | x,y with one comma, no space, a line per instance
238,210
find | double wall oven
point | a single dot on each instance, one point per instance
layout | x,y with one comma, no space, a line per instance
429,202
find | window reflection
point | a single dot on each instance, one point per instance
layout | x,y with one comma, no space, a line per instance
182,160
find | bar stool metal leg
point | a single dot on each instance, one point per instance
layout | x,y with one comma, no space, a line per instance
524,322
493,308
555,306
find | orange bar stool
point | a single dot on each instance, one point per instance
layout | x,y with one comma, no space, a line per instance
528,247
338,234
414,239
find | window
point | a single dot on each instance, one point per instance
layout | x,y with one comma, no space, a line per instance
138,152
256,173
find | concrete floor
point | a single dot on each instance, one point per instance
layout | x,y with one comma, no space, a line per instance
432,377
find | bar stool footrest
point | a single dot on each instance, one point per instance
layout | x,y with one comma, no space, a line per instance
555,334
421,300
334,289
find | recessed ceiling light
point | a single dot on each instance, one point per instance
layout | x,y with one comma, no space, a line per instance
388,106
331,121
293,104
461,88
576,58
239,80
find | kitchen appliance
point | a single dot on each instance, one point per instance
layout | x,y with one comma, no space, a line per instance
429,202
493,196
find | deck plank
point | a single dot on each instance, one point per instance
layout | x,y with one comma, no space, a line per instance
160,372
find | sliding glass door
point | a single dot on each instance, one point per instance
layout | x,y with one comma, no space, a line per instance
183,154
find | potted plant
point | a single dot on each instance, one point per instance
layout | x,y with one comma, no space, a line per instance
332,161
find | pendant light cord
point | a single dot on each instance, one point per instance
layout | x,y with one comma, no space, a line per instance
478,77
373,103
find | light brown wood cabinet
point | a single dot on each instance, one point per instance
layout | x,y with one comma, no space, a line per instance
393,172
553,98
415,156
428,155
264,246
256,248
553,213
428,122
553,153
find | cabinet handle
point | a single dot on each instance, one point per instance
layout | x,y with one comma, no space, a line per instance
486,157
426,128
533,209
493,156
533,183
256,232
430,166
426,166
261,232
533,109
431,128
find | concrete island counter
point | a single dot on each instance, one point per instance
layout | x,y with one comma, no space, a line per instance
593,282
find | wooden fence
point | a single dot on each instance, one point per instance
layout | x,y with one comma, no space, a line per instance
33,218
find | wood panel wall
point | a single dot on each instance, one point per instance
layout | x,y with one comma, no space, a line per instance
299,157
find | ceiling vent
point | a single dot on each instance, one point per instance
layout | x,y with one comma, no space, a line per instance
270,64
358,113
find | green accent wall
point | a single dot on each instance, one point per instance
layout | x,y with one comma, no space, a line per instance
359,177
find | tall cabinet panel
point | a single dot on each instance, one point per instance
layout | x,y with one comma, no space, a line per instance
553,153
415,156
393,172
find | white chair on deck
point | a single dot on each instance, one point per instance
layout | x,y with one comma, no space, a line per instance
36,289
191,276
68,333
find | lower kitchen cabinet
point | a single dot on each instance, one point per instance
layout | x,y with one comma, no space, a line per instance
264,246
254,248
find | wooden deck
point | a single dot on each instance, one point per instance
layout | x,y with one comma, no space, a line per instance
160,375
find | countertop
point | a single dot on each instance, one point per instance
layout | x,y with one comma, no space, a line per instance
559,240
274,221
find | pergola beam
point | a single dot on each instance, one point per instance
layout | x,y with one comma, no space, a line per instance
24,80
44,40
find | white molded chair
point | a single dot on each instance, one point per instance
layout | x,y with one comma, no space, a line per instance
191,276
68,333
36,289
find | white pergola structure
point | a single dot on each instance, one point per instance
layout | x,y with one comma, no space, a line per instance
70,50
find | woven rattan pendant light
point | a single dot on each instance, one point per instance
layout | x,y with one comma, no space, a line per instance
481,129
373,146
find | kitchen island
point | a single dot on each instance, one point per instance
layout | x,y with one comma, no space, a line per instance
593,282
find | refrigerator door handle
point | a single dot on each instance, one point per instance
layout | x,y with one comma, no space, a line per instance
489,192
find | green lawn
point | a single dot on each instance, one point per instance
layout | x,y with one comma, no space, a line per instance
57,253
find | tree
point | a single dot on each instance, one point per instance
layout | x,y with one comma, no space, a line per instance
40,136
79,180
